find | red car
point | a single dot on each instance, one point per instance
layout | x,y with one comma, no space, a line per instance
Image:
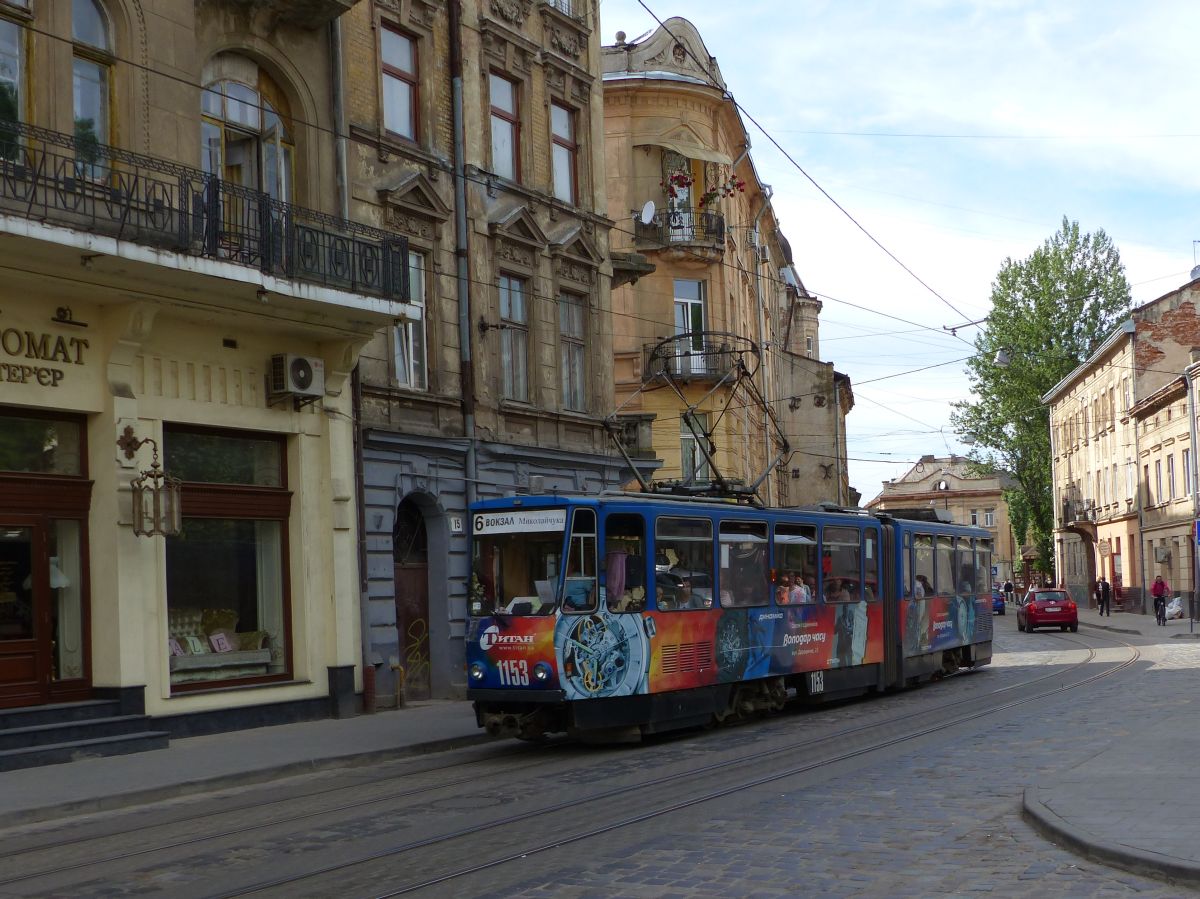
1046,607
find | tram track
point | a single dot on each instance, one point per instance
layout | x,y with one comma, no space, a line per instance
840,745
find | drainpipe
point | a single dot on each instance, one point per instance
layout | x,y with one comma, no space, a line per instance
343,196
758,294
466,365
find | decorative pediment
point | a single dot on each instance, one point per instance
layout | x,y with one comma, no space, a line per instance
519,226
416,194
417,12
675,47
575,257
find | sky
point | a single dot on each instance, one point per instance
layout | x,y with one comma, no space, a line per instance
957,135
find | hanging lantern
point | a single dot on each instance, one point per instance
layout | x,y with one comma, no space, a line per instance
157,511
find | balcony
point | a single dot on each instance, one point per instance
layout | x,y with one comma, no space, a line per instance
310,14
683,226
51,177
688,357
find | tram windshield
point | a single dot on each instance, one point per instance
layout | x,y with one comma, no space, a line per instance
517,560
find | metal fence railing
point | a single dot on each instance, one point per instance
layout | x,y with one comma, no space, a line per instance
53,177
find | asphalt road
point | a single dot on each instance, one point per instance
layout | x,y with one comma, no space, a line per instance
911,795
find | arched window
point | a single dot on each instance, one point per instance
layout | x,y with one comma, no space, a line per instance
92,78
245,136
12,91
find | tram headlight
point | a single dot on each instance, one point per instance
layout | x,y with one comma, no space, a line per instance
477,671
541,671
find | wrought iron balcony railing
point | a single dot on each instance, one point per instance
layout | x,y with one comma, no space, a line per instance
53,177
683,225
688,356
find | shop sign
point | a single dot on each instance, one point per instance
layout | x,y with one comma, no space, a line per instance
1105,546
35,357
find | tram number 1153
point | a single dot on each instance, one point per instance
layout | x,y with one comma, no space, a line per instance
514,672
816,682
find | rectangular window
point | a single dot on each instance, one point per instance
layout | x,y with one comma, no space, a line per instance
923,566
579,593
683,563
506,127
974,517
808,344
11,94
563,152
944,560
1130,480
400,81
690,319
743,577
411,362
1171,476
1125,397
625,562
841,564
1187,472
694,465
514,339
40,445
571,312
796,568
1158,491
989,518
1146,478
227,597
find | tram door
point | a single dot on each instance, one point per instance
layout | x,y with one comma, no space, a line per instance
411,573
25,616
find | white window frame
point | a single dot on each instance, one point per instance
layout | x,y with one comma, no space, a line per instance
1187,472
411,335
1171,476
572,322
692,463
989,518
514,337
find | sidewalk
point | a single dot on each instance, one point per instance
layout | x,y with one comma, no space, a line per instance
1119,808
201,764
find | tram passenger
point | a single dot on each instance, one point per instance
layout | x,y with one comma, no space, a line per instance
923,587
800,592
835,591
783,593
810,588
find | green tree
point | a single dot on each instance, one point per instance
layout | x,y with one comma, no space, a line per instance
1050,312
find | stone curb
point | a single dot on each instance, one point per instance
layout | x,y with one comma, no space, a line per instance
1083,842
219,782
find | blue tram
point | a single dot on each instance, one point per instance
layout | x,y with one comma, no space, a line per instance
624,614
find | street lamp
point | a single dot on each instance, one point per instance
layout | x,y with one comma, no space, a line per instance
157,511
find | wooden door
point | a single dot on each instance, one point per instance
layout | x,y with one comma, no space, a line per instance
26,645
412,626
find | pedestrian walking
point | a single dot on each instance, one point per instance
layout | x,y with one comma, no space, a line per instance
1159,591
1104,597
1008,591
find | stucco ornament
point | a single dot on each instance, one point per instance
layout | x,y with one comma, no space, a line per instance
513,11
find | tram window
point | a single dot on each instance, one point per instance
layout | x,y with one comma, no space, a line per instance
625,563
983,567
906,565
687,545
870,566
944,560
964,567
516,572
795,563
744,576
841,551
923,565
579,586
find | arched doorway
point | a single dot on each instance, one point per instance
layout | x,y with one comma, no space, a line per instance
410,557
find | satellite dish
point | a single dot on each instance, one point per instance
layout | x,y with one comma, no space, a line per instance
647,214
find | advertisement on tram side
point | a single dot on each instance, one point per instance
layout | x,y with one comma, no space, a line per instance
938,622
512,651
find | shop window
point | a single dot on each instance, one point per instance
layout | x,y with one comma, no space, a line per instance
400,82
227,593
92,74
41,445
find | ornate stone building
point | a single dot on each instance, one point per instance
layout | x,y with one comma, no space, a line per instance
947,483
181,287
476,131
717,372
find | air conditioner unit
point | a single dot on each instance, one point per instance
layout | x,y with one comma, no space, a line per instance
297,375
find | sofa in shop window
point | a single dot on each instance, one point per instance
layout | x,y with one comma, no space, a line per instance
205,645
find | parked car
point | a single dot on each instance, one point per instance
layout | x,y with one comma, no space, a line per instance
1047,607
997,601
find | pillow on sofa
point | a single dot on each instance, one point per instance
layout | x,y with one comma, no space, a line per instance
218,620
